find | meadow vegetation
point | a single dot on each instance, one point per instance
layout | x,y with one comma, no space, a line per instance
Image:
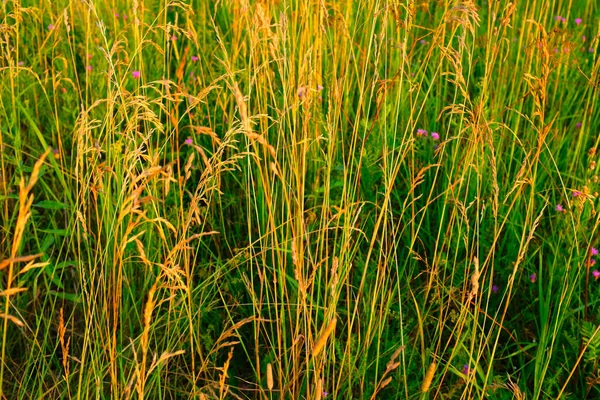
299,199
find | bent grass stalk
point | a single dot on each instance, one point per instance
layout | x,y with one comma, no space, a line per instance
258,199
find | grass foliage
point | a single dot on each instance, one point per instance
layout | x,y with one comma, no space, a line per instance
299,199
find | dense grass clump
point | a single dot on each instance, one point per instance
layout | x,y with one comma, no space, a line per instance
299,199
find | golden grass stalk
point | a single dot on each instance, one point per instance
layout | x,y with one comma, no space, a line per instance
269,376
474,281
320,344
224,388
428,377
64,344
319,389
25,202
144,340
390,366
12,319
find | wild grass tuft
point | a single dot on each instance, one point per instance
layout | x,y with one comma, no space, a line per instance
297,199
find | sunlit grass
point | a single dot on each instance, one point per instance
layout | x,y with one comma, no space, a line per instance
298,199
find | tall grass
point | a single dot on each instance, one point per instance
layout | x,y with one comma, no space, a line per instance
299,199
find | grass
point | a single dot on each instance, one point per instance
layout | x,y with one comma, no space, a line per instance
246,199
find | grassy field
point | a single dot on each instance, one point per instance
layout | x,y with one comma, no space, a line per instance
299,199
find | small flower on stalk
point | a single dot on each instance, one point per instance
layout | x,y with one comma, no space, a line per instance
596,274
533,278
136,74
421,132
559,208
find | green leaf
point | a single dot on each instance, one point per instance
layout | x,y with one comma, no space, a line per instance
59,232
66,296
593,348
50,205
48,241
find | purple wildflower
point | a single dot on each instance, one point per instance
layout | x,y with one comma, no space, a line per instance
116,15
577,21
189,141
421,132
533,277
89,68
173,38
559,208
50,27
592,261
495,288
576,193
423,41
324,394
594,251
596,274
136,74
465,369
558,18
194,58
20,63
578,125
319,87
435,135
